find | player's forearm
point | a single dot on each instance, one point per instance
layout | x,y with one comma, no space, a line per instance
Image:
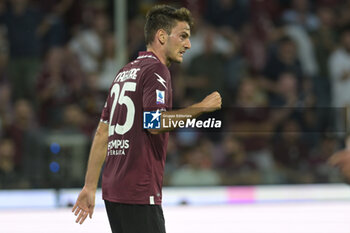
97,156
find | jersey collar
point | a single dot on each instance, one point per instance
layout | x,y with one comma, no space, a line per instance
147,54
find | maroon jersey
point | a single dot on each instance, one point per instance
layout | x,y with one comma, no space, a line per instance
135,160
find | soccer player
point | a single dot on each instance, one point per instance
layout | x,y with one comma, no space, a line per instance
134,157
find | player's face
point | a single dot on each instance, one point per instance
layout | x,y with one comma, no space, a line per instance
178,42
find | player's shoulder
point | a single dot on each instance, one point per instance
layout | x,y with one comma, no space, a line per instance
150,65
157,68
145,62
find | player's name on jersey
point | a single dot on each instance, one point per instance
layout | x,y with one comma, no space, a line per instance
191,123
127,74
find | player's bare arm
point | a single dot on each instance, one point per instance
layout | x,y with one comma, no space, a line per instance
210,103
85,203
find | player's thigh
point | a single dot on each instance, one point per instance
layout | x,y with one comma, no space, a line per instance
143,218
114,216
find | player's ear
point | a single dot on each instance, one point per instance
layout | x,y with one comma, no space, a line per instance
162,36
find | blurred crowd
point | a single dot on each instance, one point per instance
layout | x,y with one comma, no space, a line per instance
282,67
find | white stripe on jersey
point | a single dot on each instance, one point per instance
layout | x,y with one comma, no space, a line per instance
146,56
151,200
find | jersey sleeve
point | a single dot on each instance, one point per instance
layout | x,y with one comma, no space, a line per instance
105,113
157,88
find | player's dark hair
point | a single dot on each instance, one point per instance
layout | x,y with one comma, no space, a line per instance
164,17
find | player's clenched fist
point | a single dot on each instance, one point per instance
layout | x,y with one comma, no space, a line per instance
212,102
341,159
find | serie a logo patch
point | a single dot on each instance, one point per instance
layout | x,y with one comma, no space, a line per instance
160,97
151,120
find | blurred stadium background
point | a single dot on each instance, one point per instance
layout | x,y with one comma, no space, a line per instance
282,67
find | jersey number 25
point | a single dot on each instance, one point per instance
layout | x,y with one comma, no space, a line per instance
122,99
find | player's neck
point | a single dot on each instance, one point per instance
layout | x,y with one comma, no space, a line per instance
160,55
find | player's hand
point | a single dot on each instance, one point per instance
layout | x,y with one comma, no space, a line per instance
212,102
341,159
84,205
